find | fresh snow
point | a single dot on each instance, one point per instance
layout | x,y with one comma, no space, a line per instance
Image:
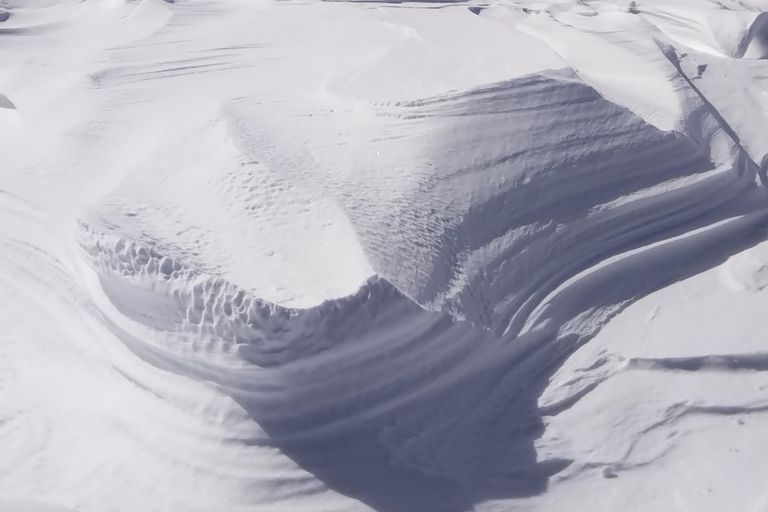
401,257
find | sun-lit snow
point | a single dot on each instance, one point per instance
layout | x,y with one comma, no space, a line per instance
403,257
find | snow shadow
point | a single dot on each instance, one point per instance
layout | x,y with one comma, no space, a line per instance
395,456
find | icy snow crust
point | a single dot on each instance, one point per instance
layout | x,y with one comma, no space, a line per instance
392,257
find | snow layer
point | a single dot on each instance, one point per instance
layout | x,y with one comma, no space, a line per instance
394,257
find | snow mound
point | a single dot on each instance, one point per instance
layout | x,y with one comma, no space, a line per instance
343,256
520,238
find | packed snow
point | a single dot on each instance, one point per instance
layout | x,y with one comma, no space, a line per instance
397,257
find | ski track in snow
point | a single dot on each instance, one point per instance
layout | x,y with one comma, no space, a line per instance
332,256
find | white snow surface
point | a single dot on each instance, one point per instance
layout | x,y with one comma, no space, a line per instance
403,257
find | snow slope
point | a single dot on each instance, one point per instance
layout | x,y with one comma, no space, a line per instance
396,257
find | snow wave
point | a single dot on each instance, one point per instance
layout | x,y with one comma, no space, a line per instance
519,234
282,293
520,186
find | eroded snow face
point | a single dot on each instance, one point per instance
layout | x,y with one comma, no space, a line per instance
404,258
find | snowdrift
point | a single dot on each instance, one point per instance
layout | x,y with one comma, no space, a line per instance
240,273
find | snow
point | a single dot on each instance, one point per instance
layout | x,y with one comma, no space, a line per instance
402,257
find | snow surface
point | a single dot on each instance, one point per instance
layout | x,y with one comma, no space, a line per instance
402,257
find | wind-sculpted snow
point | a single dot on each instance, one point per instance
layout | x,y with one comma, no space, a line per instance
323,257
521,186
537,210
727,33
297,372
